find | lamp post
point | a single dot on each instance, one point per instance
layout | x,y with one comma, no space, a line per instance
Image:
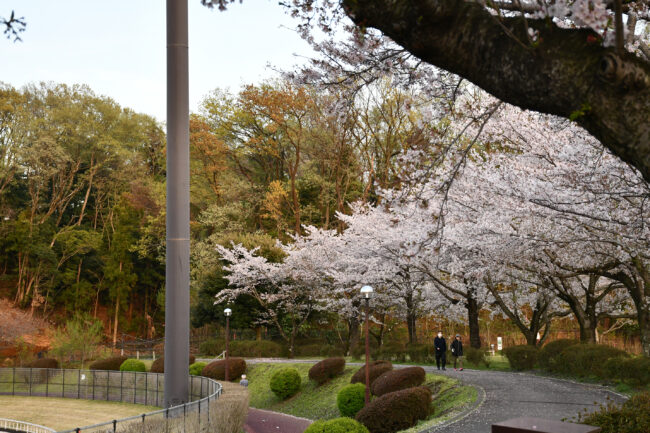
228,313
366,292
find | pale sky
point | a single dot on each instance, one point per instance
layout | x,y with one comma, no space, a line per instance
117,47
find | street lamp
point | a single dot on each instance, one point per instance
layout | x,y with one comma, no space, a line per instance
228,313
366,292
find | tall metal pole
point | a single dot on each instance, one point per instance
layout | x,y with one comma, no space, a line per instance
177,277
227,339
367,352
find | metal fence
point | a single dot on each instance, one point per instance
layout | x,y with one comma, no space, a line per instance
123,386
12,425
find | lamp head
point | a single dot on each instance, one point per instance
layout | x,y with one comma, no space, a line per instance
366,292
227,312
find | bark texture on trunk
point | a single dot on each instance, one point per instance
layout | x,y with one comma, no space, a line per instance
472,319
566,72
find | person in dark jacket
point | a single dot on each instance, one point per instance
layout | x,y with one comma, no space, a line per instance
440,345
457,351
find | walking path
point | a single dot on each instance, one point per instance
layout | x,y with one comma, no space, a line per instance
502,395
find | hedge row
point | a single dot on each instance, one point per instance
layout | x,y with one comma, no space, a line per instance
43,363
396,411
326,369
244,348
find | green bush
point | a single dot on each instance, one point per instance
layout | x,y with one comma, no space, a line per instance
476,356
331,351
327,369
112,364
158,365
217,369
396,411
377,368
351,399
586,360
393,351
358,351
420,352
522,357
212,347
133,365
197,367
285,382
337,425
632,417
243,348
634,371
549,354
309,350
396,380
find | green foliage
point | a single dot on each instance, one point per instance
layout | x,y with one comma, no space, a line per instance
197,367
632,417
133,365
351,399
337,425
79,339
420,352
326,369
586,360
396,411
43,363
158,366
285,383
522,357
549,354
634,371
376,369
217,369
212,347
243,348
476,356
113,363
396,380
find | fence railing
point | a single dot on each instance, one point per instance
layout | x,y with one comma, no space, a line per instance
123,386
12,425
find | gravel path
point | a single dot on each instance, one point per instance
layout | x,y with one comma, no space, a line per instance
505,395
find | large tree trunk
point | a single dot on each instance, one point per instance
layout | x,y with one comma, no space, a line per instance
410,319
564,72
472,320
644,326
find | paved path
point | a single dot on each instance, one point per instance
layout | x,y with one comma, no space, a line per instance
505,395
264,421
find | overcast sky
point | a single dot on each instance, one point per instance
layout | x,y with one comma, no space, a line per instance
117,47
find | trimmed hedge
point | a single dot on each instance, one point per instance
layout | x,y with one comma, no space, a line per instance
377,368
43,363
327,369
158,365
217,369
476,356
337,425
197,367
586,360
632,417
133,365
351,399
548,355
635,371
212,347
285,382
113,363
243,348
522,357
396,380
420,352
393,351
396,411
331,351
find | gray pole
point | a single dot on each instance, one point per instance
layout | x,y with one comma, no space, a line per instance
177,279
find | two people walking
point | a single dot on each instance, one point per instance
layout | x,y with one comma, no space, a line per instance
440,345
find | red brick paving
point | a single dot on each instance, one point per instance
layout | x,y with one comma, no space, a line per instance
263,421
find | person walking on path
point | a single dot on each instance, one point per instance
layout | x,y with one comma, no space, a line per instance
457,351
441,350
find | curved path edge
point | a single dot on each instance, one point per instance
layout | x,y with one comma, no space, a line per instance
480,399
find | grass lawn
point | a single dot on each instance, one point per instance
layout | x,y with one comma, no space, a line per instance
319,402
66,413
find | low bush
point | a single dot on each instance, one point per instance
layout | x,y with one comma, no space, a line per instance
39,376
309,350
217,369
377,368
133,365
327,369
392,351
522,357
396,380
396,411
548,355
586,360
112,364
351,399
212,347
337,425
285,382
43,363
420,352
243,348
331,351
158,365
358,351
476,356
197,367
634,371
632,417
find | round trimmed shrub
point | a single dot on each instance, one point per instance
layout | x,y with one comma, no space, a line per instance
635,371
376,369
113,363
43,363
337,425
396,380
586,360
327,369
133,365
475,356
351,399
550,352
396,411
632,417
522,357
197,367
285,382
217,369
158,365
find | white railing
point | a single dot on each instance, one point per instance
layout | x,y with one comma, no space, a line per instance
12,425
